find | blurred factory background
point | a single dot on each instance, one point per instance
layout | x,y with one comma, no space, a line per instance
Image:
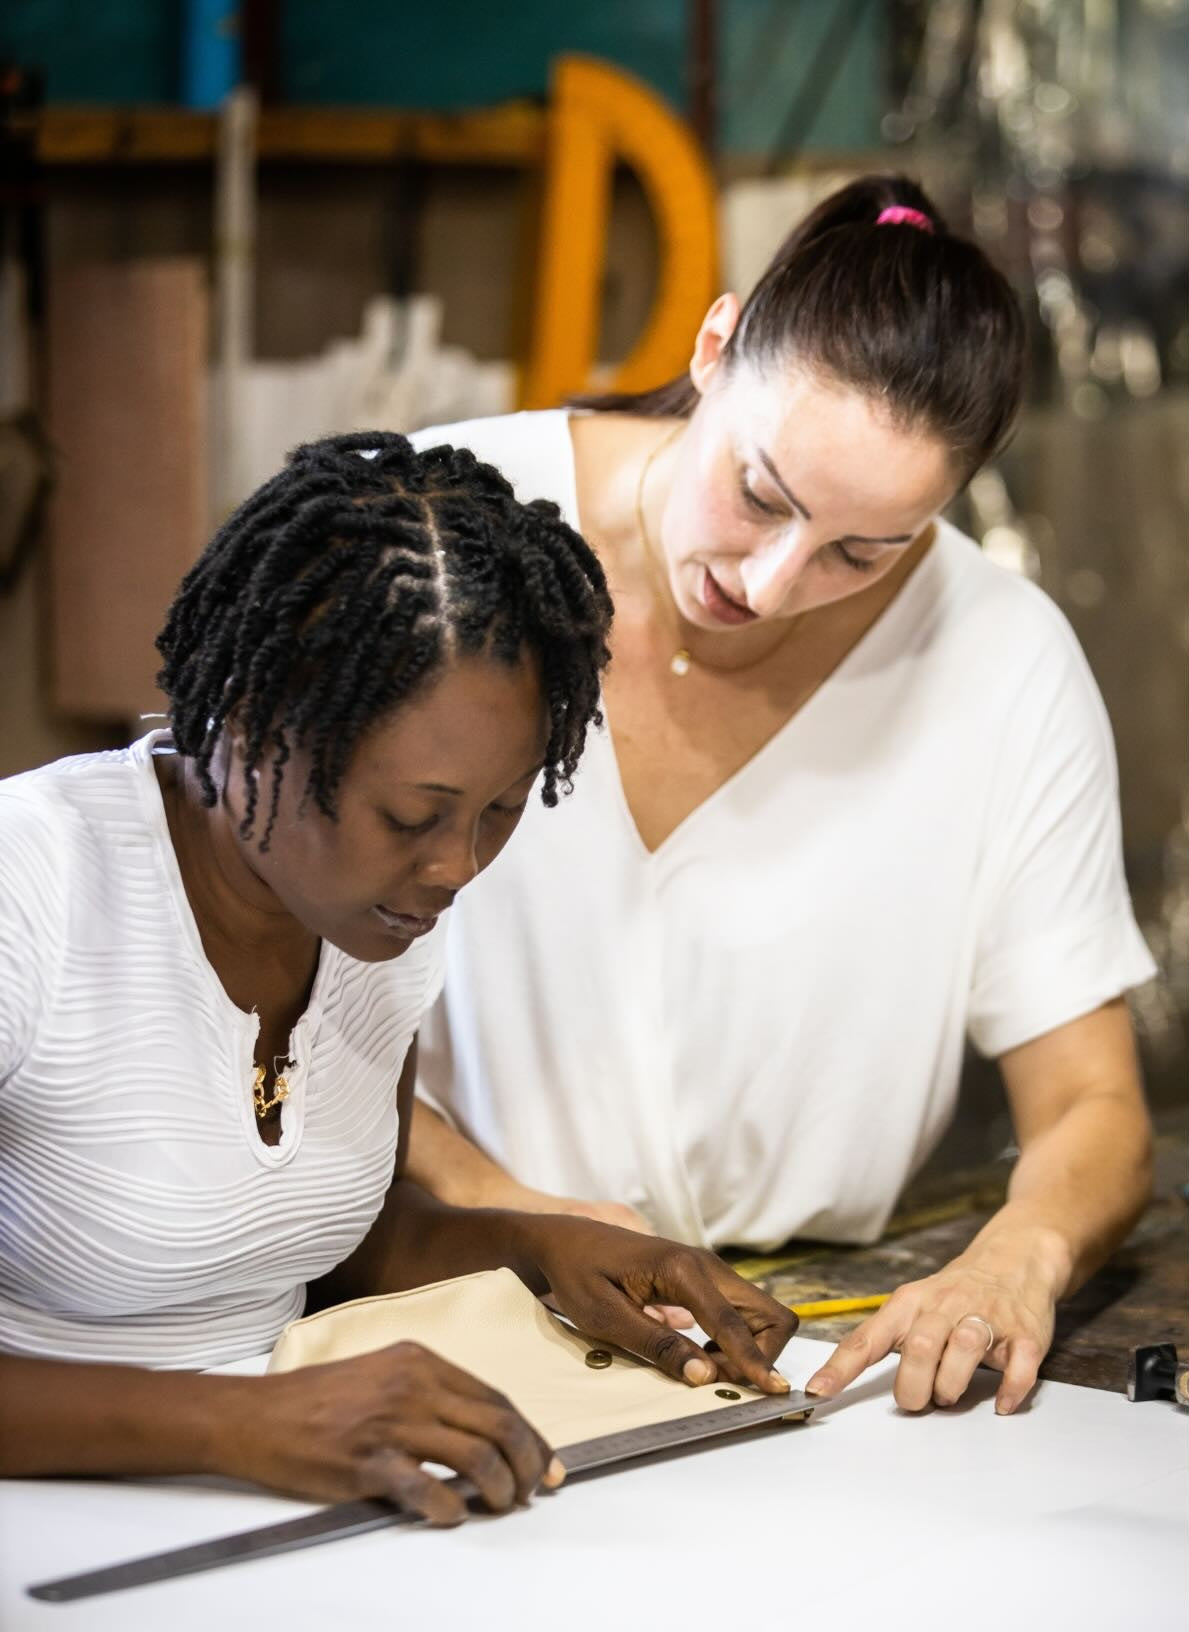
228,228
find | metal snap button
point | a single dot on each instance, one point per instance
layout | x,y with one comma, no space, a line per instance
728,1393
598,1359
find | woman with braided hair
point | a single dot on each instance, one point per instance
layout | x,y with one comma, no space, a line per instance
215,949
856,803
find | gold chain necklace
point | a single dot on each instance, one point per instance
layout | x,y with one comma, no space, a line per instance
261,1101
682,660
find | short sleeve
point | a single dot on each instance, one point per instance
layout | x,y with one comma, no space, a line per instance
32,920
1056,935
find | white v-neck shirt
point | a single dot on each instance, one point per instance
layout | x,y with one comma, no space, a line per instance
757,1030
142,1217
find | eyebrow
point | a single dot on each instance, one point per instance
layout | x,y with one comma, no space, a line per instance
458,793
847,538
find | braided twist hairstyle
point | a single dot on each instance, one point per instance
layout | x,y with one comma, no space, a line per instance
348,581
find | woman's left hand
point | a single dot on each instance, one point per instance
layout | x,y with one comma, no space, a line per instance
993,1308
603,1278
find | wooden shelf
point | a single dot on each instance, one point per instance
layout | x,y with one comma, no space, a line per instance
510,134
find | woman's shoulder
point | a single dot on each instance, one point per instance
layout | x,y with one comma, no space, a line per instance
58,816
1000,613
37,815
1012,654
532,449
39,847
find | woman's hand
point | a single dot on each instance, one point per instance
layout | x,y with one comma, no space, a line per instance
994,1306
363,1427
605,1278
603,1212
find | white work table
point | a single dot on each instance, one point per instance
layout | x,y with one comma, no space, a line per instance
1072,1514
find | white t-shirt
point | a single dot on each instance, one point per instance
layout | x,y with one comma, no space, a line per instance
142,1218
757,1030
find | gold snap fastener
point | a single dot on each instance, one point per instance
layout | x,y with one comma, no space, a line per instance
598,1359
728,1393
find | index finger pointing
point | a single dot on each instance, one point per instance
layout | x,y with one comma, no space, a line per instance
870,1341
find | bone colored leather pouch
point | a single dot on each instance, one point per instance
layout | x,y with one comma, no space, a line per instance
490,1324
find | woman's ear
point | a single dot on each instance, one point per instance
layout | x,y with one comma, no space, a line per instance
234,733
718,326
233,755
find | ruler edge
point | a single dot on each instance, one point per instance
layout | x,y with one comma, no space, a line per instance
730,1419
85,1584
201,1556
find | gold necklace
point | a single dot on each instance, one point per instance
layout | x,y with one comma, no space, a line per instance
682,660
280,1091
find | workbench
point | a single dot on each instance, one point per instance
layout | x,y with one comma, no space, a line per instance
1070,1514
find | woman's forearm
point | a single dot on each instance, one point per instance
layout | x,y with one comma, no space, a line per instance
446,1164
1081,1181
1076,1191
418,1239
59,1417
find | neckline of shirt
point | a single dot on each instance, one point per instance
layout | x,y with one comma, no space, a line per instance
925,584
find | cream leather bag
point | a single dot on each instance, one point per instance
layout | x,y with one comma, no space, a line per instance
490,1324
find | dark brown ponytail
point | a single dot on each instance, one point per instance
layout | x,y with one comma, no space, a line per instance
919,318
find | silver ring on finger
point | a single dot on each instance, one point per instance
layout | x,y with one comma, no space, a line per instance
991,1340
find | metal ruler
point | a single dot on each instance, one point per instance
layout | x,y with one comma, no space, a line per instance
357,1518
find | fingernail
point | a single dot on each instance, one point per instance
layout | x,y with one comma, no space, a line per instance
821,1383
698,1371
1004,1408
555,1473
782,1384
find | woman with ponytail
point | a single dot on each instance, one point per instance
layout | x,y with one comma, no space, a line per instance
855,803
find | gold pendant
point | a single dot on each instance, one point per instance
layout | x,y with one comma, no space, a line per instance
262,1104
680,663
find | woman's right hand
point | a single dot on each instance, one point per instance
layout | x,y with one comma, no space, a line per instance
450,1167
521,1199
364,1426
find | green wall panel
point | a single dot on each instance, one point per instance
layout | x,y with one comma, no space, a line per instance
102,51
449,54
463,53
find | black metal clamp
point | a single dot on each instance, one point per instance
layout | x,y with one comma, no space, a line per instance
1155,1373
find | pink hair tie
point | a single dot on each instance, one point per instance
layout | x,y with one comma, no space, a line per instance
899,215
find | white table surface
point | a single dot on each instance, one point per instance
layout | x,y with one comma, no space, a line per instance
1073,1514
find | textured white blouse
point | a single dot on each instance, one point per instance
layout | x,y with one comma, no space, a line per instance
757,1030
142,1218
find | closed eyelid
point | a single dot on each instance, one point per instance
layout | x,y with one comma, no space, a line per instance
782,508
529,777
513,799
407,828
857,538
